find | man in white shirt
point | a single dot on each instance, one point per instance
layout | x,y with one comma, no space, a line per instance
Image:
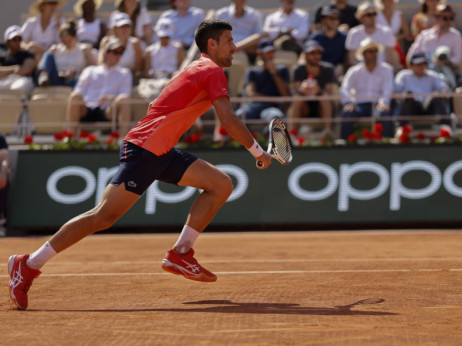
247,23
185,19
366,89
288,26
366,14
441,35
99,89
421,82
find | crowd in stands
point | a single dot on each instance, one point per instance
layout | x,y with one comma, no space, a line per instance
349,59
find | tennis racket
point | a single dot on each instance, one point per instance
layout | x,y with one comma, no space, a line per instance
280,145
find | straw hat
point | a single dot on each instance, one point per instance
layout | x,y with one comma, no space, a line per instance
78,6
35,7
363,8
366,44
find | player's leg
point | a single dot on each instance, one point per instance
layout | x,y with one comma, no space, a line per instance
217,187
23,269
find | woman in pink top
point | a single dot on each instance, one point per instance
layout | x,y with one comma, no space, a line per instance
148,154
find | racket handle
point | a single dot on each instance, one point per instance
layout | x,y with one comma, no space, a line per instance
259,164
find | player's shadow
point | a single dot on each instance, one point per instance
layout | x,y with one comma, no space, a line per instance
227,306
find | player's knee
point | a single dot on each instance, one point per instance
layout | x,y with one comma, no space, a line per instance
225,186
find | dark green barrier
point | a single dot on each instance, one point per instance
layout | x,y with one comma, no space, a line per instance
335,186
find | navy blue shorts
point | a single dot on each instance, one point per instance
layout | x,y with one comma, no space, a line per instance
139,167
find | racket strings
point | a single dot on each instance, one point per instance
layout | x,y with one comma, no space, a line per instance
282,144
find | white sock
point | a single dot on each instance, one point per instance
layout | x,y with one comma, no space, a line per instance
41,256
186,240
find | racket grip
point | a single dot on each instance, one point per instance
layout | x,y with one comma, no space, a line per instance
259,164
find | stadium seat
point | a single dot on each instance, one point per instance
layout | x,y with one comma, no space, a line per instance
47,108
12,107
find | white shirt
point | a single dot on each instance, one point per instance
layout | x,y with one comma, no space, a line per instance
66,59
250,23
98,80
394,25
406,80
32,31
164,59
128,57
298,20
184,26
428,40
382,35
360,85
88,32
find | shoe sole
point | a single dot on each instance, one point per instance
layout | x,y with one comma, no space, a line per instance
10,268
200,277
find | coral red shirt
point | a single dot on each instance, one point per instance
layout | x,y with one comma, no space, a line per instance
186,97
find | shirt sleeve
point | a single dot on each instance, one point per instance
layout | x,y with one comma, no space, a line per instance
27,28
399,82
303,27
83,81
387,84
127,80
216,84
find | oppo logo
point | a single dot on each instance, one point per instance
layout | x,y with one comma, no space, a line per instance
153,195
388,180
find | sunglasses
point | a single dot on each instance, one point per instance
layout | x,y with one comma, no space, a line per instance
316,52
333,18
371,14
52,3
116,51
446,18
372,51
16,39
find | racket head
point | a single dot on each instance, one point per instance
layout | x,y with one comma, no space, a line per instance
280,143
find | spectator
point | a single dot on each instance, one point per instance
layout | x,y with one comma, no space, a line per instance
347,15
423,83
17,66
388,15
368,28
331,39
163,58
132,57
139,15
185,19
432,41
266,79
100,88
4,181
288,26
63,62
247,23
366,89
315,78
40,31
425,18
90,29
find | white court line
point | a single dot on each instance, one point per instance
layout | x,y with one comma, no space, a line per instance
282,260
253,272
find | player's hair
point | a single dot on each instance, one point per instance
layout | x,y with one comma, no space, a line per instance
210,28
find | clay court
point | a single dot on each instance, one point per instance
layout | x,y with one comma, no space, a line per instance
275,288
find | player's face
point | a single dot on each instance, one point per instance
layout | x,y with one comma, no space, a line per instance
225,49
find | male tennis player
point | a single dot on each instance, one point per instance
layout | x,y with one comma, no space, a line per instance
147,153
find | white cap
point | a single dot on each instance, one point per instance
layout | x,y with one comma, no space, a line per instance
12,32
120,19
165,29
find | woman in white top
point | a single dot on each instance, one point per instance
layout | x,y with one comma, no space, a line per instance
141,20
132,57
388,16
90,29
163,58
40,30
63,62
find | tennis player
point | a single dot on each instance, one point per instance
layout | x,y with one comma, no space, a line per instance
147,154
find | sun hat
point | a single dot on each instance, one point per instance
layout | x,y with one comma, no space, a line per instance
78,6
35,7
365,45
418,58
364,8
266,45
11,32
119,19
312,45
165,28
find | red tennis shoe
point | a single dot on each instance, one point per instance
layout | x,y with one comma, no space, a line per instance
21,277
187,266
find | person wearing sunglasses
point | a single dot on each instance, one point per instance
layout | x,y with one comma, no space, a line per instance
17,66
442,34
366,14
100,88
